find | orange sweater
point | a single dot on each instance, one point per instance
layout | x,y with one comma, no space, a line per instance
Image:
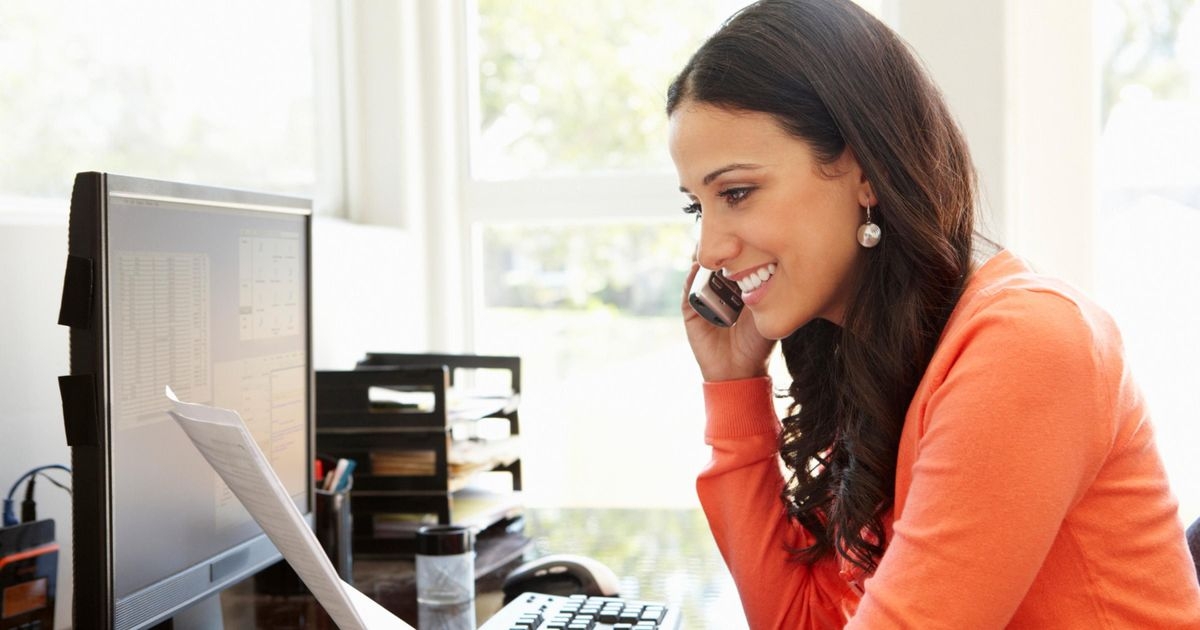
1029,493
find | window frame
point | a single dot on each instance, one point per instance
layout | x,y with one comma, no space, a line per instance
633,196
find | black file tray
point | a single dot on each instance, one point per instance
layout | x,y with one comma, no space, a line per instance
391,499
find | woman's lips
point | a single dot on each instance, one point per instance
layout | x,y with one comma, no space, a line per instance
754,283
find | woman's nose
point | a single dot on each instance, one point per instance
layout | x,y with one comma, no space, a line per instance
718,245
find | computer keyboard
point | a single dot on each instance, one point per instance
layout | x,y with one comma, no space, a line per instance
534,611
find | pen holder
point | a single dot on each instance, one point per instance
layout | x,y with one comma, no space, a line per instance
334,528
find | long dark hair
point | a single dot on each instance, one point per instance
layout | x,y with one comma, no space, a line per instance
836,77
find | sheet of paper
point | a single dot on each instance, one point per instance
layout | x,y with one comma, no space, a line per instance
223,439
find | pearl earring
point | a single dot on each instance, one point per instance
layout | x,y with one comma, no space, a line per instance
869,233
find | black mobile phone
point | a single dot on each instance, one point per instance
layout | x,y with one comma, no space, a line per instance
715,297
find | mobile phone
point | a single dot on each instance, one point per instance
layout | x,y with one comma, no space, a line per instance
716,298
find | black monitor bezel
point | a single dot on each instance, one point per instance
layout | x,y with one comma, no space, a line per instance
88,423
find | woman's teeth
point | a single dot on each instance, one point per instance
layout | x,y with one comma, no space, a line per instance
756,279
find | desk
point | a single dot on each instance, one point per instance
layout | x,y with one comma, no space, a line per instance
660,554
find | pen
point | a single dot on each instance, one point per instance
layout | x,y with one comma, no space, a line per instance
343,480
332,481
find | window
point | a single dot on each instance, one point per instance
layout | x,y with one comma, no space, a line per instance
1148,208
216,92
580,250
577,89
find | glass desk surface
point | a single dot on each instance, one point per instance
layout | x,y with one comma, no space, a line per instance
662,555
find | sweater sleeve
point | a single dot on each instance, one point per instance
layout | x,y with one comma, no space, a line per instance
739,491
1008,442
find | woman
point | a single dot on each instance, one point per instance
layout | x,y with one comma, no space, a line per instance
964,446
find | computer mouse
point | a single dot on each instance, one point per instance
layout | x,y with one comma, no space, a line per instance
561,574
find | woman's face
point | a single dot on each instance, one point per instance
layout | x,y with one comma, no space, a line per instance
771,211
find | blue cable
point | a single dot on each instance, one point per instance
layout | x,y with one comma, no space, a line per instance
10,517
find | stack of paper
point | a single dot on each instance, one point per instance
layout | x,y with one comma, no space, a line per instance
223,439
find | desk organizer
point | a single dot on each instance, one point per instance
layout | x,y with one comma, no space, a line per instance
431,448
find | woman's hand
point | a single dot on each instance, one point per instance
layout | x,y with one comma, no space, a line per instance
725,354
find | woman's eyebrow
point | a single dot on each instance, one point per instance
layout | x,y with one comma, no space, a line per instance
720,171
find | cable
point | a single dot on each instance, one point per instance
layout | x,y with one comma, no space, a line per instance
56,482
28,506
10,517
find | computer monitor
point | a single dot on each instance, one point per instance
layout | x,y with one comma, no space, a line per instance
206,290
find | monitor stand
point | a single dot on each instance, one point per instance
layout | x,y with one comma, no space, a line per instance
203,615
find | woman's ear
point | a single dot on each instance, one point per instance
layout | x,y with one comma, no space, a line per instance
866,193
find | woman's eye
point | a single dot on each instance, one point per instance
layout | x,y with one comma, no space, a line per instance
733,196
693,209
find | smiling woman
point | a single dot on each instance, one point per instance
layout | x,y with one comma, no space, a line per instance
946,400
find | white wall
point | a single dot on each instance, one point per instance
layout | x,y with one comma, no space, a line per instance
364,298
362,302
968,65
33,353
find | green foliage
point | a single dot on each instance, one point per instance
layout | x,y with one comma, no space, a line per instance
1143,50
579,86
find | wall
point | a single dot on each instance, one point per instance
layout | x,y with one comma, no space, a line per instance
1017,76
968,64
361,302
364,299
33,353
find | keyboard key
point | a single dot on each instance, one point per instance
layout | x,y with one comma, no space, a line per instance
629,616
552,612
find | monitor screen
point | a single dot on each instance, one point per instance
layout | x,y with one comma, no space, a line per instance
205,290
